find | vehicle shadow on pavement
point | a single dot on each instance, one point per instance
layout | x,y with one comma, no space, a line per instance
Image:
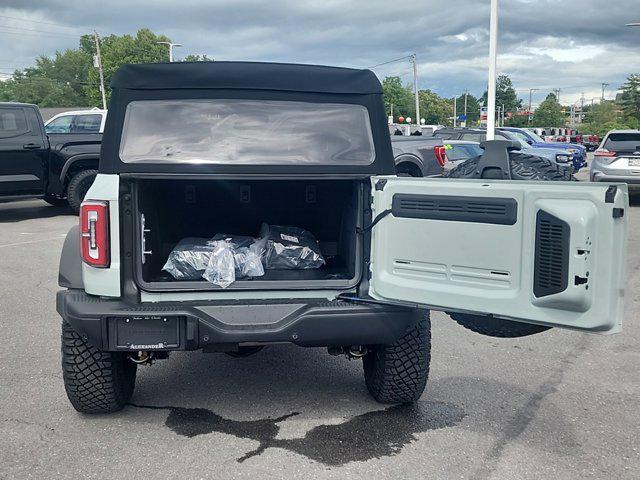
253,398
17,212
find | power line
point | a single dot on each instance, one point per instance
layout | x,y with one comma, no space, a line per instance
390,61
43,32
34,21
55,35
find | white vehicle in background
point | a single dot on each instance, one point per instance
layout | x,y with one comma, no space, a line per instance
618,159
77,121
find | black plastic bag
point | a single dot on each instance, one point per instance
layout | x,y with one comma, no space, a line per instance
290,248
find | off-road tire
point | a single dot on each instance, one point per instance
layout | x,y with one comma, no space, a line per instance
95,381
398,372
523,167
78,187
496,327
55,201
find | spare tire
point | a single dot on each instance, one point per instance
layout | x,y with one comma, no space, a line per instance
523,167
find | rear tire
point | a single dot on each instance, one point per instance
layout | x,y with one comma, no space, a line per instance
398,372
523,167
78,187
95,381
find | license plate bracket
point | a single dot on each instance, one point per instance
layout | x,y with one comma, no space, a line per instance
145,333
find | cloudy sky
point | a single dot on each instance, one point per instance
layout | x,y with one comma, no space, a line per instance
574,45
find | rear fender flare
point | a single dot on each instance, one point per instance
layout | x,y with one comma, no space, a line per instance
71,160
70,270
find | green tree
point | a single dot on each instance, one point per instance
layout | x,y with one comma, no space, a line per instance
473,108
631,97
519,121
434,109
398,95
505,95
119,50
549,113
197,58
601,113
57,81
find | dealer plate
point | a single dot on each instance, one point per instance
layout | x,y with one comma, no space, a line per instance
147,333
634,162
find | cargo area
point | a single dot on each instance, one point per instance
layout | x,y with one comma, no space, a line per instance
173,210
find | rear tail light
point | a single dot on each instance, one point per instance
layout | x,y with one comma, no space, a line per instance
603,152
604,155
94,233
441,155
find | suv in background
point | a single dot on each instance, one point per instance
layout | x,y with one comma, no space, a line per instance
352,257
618,158
77,121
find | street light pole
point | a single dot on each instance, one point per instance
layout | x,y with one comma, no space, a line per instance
171,45
531,90
491,88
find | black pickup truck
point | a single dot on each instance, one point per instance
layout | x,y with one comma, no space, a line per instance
58,168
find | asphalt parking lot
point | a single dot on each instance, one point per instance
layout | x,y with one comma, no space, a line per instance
554,405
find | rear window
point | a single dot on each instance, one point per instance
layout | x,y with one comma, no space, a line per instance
13,122
623,142
86,124
234,131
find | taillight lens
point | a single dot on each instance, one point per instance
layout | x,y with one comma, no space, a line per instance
603,152
441,155
94,233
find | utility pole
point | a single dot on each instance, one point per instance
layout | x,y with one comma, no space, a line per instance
171,45
97,62
581,107
415,87
502,114
455,110
466,92
604,85
531,90
491,87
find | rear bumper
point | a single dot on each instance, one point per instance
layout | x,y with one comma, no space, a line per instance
632,181
197,325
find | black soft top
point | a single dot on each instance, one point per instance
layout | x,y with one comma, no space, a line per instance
246,75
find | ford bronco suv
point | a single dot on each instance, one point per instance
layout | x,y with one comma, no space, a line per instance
215,150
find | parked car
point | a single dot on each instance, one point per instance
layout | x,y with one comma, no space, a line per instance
559,156
578,151
59,168
77,121
211,150
618,158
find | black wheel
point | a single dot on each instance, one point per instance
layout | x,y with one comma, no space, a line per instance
95,381
79,186
523,167
398,372
55,201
